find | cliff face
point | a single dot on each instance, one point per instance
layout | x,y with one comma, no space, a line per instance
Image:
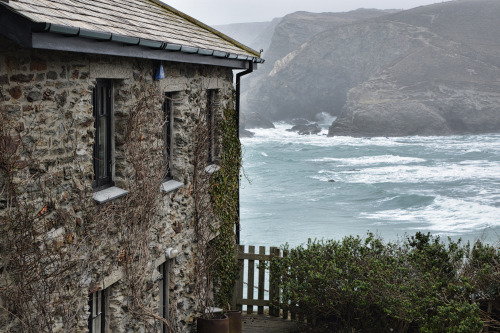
297,28
288,35
447,82
432,70
437,88
316,77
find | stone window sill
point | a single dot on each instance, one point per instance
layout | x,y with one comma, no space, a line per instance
212,168
171,185
109,194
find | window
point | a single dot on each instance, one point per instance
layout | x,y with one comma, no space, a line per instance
97,304
163,286
167,133
211,112
102,146
169,184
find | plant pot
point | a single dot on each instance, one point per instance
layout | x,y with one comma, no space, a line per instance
235,320
218,324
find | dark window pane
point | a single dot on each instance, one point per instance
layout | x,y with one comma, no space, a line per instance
167,133
103,144
103,101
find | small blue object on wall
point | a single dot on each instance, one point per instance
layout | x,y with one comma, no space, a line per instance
160,73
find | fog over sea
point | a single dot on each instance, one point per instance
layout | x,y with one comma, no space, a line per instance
319,187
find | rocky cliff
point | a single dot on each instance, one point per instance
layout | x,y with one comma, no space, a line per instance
432,70
289,34
446,82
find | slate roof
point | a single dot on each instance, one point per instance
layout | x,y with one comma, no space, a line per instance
131,21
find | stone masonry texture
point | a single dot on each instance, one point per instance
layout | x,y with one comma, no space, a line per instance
47,96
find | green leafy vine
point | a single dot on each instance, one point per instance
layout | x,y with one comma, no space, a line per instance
224,189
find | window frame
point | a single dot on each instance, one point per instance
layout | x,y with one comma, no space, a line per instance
210,119
168,129
94,298
103,114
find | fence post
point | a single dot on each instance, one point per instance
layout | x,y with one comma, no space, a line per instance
274,291
251,278
238,286
262,279
286,302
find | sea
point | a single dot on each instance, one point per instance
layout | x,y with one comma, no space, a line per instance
299,187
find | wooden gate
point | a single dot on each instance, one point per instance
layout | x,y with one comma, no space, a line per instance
254,275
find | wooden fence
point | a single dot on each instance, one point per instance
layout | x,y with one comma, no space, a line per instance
255,292
253,274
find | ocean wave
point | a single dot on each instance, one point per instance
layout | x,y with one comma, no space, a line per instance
403,173
422,174
344,185
444,215
370,160
459,145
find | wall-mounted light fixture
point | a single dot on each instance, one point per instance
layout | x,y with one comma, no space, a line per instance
171,253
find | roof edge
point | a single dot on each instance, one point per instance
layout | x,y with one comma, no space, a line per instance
64,30
60,42
206,27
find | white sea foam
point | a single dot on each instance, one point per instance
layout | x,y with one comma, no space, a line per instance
445,215
324,118
446,185
370,160
455,144
446,172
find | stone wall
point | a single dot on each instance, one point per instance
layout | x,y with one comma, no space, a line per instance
46,105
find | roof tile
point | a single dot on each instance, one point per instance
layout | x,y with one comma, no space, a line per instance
147,19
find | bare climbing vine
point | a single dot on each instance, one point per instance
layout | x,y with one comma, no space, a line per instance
51,253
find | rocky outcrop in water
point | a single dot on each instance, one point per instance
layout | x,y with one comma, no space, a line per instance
304,129
246,134
256,120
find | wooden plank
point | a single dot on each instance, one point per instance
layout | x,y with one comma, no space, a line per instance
246,301
285,301
262,279
254,256
251,278
274,294
238,294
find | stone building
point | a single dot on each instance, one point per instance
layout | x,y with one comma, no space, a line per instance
101,107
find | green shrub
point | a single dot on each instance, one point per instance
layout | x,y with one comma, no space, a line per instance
420,285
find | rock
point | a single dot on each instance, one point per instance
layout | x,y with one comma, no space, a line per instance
300,121
246,134
256,120
301,93
306,129
415,72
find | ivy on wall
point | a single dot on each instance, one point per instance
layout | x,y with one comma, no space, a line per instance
224,188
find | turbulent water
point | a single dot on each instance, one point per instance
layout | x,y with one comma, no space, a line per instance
319,187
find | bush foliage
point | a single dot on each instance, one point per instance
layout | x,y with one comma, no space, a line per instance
365,285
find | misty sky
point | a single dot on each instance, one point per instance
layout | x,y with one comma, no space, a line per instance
214,12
